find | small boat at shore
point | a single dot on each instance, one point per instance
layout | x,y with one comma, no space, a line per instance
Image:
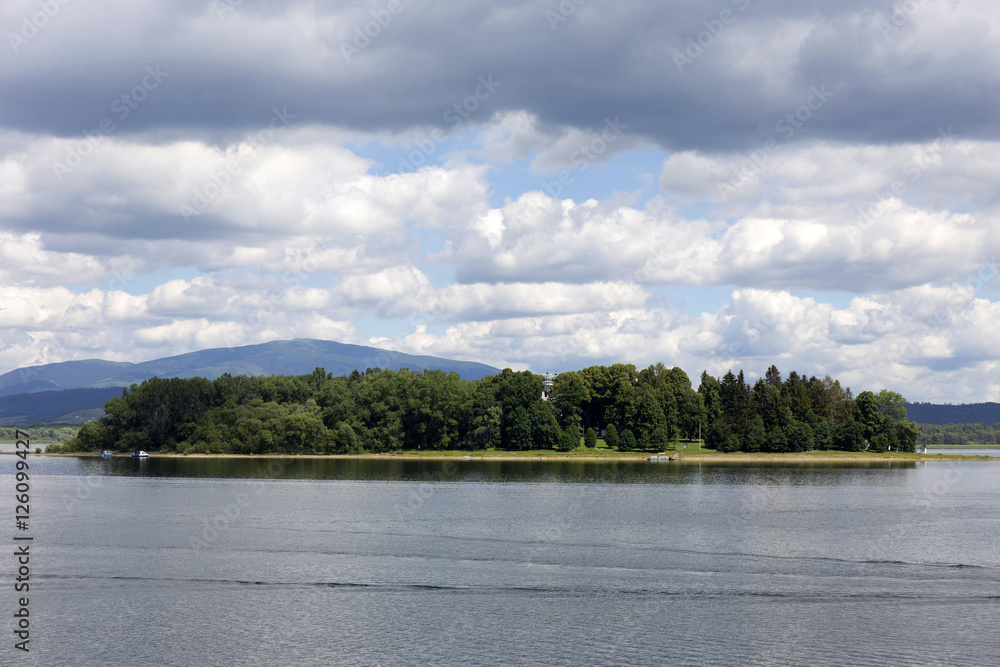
662,456
106,454
139,454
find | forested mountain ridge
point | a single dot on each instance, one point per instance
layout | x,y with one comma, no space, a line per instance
290,357
966,413
390,410
69,405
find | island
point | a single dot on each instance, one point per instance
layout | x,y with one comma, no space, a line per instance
598,411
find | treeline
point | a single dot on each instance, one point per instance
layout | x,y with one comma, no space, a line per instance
960,434
388,410
40,433
800,414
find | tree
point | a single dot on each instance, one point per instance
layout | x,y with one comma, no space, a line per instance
768,403
869,415
544,426
756,437
666,396
611,437
776,441
731,444
879,443
891,405
570,438
659,438
907,434
711,399
646,417
568,396
519,430
800,437
590,438
346,440
92,435
302,432
690,405
628,441
824,435
717,434
796,393
850,437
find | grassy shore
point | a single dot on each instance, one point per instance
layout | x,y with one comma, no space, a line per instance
598,454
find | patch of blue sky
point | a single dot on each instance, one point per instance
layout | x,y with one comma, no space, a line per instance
694,300
634,172
440,276
431,240
426,147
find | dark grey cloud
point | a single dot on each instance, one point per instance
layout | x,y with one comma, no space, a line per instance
605,59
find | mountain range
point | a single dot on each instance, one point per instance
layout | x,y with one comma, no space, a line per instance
37,393
966,413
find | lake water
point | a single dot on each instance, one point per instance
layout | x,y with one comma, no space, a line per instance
320,562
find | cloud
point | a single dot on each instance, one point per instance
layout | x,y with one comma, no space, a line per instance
873,343
221,174
598,63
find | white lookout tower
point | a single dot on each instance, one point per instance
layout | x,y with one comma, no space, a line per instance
547,385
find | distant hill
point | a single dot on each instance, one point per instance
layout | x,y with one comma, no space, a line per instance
280,357
73,406
969,413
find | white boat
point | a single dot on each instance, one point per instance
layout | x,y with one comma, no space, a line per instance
139,454
105,454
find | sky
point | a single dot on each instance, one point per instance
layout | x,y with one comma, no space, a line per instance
531,184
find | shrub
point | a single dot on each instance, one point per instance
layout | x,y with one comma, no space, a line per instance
611,437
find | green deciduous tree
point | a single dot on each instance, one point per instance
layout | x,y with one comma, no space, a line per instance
800,437
756,437
850,437
570,438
